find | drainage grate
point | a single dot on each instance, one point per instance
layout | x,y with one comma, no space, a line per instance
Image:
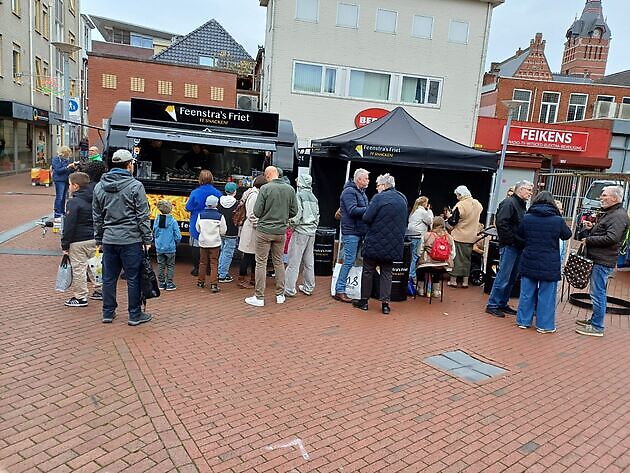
465,366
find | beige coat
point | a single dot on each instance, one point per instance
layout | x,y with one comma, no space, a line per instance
465,231
247,243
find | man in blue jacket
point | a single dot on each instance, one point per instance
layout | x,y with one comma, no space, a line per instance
353,204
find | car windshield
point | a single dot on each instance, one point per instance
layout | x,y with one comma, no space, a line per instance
596,190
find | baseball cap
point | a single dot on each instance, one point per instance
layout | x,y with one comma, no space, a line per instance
212,201
122,156
230,187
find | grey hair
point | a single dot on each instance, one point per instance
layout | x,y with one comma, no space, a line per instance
359,172
617,191
520,184
387,180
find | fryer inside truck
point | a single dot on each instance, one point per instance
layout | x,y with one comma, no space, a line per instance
173,141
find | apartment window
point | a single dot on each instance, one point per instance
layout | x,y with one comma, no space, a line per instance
422,27
549,107
191,91
369,85
522,112
109,81
137,84
73,88
605,98
458,32
45,21
314,78
307,10
386,21
17,58
217,93
15,7
577,107
420,90
207,61
39,72
72,5
347,15
1,55
37,8
46,79
140,41
72,39
165,87
59,12
625,100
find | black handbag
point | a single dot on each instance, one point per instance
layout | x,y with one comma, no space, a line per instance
149,285
578,269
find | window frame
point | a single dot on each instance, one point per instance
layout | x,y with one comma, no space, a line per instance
16,52
625,100
1,56
322,78
577,107
16,8
413,22
357,69
599,98
358,8
529,105
307,20
214,61
141,37
45,21
395,24
39,67
429,79
543,103
450,24
72,39
37,7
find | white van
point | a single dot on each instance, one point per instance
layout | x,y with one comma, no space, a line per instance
591,198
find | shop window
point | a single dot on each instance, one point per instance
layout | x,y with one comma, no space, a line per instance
45,21
369,85
314,78
17,59
577,107
420,90
307,10
549,107
15,7
137,84
109,81
207,61
458,32
217,93
39,73
24,141
522,112
7,146
422,27
347,15
37,9
165,87
191,91
386,21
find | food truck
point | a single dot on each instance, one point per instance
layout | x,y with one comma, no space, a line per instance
173,141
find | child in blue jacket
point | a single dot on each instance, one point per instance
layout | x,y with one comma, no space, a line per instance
167,236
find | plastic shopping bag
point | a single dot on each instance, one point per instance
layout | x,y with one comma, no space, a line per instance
64,275
353,281
95,268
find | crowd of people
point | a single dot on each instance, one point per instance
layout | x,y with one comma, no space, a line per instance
109,212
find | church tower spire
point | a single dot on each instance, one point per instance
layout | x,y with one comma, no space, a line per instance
587,45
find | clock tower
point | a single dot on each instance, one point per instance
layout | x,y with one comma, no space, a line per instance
588,40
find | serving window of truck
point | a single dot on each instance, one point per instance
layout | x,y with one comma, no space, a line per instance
172,142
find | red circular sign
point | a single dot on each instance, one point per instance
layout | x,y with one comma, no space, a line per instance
367,116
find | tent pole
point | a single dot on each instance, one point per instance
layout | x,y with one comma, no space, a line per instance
490,213
347,173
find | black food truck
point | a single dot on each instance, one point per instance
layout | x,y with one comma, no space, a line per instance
173,141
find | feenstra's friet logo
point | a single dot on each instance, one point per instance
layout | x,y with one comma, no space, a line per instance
170,109
359,149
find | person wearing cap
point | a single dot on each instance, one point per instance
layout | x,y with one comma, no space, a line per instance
211,226
167,236
227,205
122,227
94,155
465,222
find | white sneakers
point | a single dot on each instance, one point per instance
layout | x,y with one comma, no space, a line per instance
253,300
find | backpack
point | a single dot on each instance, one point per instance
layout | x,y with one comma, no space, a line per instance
238,217
441,248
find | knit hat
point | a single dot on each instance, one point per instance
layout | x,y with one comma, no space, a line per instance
165,206
230,188
212,201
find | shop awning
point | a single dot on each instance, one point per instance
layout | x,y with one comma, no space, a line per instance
201,138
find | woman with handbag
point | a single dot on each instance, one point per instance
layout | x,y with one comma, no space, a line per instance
542,228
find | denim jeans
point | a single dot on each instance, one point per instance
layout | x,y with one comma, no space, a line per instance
414,256
539,295
61,191
166,267
599,280
115,258
350,246
228,245
506,276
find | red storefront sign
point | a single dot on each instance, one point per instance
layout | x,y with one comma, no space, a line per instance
563,140
369,115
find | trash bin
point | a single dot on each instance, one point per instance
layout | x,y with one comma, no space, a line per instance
400,277
323,250
492,267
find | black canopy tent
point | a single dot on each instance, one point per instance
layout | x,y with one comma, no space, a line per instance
432,163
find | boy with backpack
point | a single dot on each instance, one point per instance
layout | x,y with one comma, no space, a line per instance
167,236
211,226
227,206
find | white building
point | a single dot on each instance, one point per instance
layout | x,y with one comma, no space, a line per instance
327,60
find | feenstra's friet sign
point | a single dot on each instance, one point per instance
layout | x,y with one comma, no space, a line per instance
565,140
199,117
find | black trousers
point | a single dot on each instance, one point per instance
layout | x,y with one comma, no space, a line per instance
247,261
368,275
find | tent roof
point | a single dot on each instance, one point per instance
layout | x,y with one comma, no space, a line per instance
399,139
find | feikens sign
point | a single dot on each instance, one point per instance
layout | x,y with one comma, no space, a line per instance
201,118
562,140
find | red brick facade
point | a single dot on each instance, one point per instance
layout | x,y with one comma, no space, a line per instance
585,56
115,78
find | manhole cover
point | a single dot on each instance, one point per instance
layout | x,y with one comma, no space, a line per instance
463,365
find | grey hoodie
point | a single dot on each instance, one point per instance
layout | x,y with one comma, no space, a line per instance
120,210
307,217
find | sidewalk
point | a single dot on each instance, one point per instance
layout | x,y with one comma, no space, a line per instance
21,202
211,383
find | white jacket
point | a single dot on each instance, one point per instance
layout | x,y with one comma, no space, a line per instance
419,222
211,226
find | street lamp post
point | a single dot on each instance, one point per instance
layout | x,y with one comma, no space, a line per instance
66,49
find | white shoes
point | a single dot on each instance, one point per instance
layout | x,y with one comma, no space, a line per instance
280,299
303,290
253,300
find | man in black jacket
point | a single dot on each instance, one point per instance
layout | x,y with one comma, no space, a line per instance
509,216
77,240
603,241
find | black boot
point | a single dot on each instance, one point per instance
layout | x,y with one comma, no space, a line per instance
361,304
386,309
195,260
